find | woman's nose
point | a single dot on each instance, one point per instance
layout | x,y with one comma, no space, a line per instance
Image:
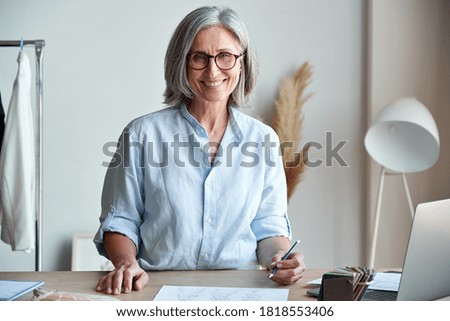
212,68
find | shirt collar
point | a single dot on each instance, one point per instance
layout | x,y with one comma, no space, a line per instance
238,135
191,120
232,122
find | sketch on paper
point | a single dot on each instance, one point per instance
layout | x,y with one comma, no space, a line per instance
196,293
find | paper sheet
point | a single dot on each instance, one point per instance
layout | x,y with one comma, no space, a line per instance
315,281
196,293
385,281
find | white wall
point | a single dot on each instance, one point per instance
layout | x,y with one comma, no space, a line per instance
409,57
103,66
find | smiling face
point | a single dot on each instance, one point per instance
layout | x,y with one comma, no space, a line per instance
213,85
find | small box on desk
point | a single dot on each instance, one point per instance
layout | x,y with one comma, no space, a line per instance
346,284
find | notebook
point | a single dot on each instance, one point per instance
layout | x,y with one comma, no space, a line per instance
11,290
425,275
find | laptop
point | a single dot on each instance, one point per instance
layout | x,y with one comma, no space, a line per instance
426,268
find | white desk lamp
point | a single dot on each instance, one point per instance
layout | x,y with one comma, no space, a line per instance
403,138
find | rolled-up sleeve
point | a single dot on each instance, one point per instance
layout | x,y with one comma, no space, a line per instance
122,196
271,218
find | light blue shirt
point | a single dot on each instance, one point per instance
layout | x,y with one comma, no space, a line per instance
183,213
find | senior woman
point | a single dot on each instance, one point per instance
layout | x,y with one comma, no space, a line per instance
198,185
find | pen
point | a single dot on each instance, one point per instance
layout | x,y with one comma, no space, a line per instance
284,258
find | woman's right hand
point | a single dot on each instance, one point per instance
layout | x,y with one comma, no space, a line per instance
123,279
127,275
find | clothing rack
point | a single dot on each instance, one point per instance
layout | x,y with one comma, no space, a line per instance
39,51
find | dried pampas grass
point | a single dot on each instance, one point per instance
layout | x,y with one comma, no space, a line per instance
288,121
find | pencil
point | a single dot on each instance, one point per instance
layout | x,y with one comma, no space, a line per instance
274,271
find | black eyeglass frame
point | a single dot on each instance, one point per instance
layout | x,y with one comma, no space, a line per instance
214,58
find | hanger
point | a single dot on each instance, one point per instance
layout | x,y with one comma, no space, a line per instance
21,44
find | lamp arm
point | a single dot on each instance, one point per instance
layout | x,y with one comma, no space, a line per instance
377,218
408,195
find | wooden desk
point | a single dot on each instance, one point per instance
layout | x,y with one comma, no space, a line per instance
85,282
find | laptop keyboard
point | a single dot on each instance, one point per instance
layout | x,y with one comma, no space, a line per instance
379,295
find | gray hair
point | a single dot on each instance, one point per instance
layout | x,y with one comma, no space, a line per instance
178,90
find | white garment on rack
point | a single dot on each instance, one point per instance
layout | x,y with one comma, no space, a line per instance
18,166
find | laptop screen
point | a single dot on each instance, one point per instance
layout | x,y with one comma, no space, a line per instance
426,267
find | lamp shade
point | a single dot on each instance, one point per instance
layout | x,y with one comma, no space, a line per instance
403,137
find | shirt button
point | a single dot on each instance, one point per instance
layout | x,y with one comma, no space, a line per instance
209,220
204,256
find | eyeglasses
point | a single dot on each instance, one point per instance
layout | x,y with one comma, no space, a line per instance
223,60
